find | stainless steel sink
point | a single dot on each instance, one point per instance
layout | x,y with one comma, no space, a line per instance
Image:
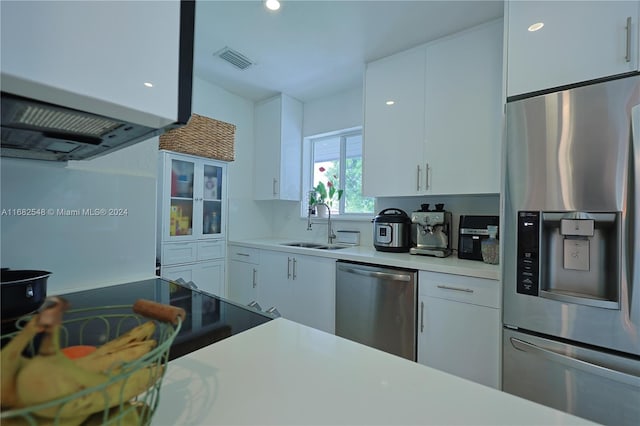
305,245
316,245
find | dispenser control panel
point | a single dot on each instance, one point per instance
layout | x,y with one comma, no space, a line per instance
528,275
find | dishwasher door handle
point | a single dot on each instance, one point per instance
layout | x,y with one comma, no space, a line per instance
380,275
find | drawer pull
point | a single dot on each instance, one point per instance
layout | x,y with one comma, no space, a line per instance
243,254
446,287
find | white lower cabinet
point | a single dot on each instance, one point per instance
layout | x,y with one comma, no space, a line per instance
300,287
207,276
459,326
243,274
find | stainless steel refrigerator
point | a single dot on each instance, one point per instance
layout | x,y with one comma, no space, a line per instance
571,255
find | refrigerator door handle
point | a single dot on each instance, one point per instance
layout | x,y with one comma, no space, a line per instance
569,361
380,275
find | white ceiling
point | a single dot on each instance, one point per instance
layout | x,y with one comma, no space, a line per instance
311,49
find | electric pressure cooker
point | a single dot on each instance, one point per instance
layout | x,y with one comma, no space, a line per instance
392,231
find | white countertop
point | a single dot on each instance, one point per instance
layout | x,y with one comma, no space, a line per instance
285,373
448,265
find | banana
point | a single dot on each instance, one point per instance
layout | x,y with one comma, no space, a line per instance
11,359
51,375
137,334
130,415
110,361
41,421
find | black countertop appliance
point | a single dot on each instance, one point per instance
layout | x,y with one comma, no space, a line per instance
392,231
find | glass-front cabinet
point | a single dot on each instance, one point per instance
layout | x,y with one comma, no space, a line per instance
191,223
195,193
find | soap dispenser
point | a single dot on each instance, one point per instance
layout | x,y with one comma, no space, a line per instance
490,247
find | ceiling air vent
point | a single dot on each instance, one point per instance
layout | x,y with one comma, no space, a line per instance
236,59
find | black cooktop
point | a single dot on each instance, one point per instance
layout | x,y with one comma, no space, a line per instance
209,318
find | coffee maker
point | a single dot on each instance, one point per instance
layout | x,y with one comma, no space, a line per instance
431,231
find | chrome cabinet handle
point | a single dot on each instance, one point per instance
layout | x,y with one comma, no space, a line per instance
243,254
627,57
446,287
600,370
418,180
275,181
288,268
294,268
381,275
421,317
255,273
426,177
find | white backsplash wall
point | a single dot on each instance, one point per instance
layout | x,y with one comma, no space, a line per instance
82,251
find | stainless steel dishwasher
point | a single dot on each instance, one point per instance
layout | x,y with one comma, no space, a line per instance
376,306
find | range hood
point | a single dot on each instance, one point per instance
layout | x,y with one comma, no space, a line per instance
44,122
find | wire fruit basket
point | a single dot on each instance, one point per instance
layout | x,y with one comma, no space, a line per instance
95,327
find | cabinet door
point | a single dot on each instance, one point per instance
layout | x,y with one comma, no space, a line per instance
211,196
209,277
314,292
179,178
191,199
580,41
394,134
275,282
460,338
242,282
278,147
463,114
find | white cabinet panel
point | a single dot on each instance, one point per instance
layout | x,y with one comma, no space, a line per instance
100,50
207,276
446,119
301,288
179,253
243,274
459,326
461,339
393,142
278,149
208,250
463,113
580,41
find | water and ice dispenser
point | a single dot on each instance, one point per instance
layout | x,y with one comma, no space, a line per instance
570,256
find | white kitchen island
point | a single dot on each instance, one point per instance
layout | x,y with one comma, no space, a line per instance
284,373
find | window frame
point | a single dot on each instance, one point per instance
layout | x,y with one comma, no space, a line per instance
308,171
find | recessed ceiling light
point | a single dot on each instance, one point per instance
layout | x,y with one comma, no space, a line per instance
536,26
146,83
390,102
272,4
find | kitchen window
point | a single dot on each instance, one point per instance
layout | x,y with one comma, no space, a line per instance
337,157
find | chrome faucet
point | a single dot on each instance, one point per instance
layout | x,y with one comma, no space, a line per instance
330,235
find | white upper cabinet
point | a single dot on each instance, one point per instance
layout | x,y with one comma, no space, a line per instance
445,118
580,41
394,125
83,53
463,113
278,150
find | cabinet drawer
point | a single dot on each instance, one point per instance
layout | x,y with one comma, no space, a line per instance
175,253
478,291
244,254
208,250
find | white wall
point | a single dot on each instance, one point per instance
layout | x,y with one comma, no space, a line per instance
81,251
247,218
